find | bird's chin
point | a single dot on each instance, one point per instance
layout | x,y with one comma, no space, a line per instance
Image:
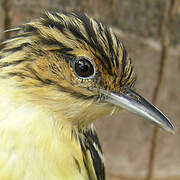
115,110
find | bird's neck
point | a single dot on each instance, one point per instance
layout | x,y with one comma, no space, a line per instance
18,113
32,137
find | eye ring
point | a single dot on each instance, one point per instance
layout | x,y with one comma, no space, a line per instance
83,68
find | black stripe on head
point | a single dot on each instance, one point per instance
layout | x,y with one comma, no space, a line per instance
92,36
18,74
124,57
77,33
47,22
29,28
87,25
16,37
13,63
129,76
114,55
44,40
64,52
18,48
51,42
110,44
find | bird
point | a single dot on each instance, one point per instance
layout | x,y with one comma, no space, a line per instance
58,74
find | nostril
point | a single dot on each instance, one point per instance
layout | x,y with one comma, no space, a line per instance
130,93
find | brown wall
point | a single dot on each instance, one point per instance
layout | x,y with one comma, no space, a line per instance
126,140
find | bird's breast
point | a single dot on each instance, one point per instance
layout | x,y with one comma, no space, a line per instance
33,147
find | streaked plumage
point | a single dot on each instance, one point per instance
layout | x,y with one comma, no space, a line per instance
47,110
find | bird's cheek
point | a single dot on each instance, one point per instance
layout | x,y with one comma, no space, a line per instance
105,109
116,110
95,111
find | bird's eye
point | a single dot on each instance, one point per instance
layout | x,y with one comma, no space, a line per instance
84,68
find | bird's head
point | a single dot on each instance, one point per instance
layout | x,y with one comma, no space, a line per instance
74,66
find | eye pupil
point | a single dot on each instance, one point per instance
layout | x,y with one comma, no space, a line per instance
83,68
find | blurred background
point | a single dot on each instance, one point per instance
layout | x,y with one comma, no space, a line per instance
150,30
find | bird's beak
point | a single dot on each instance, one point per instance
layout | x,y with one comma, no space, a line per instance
133,102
